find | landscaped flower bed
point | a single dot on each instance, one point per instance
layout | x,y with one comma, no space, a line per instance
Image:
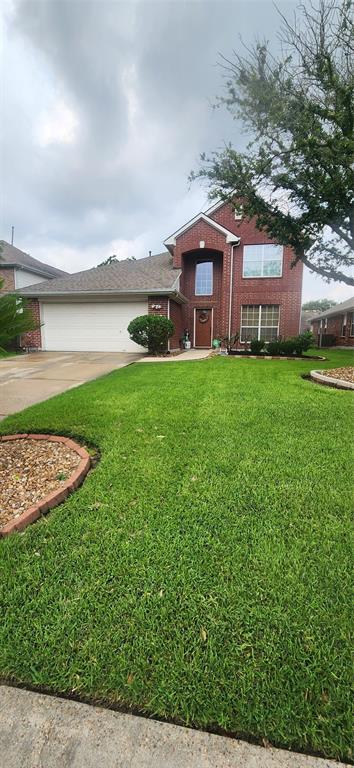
37,472
344,374
341,378
267,356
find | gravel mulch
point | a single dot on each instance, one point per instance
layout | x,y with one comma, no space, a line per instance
346,374
29,470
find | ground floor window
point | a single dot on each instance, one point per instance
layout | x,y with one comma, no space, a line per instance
352,325
259,321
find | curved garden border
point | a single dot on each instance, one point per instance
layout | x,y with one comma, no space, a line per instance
248,356
329,381
55,497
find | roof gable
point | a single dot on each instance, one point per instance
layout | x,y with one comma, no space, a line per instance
14,257
229,236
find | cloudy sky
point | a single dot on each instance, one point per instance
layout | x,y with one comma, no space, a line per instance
105,107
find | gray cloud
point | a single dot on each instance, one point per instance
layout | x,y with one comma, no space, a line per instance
138,79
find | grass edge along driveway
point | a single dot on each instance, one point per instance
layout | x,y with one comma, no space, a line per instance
203,571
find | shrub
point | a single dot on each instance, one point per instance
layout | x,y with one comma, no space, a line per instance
273,348
287,347
295,345
152,332
308,340
16,318
298,344
256,346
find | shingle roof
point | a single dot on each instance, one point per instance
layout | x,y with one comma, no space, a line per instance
151,274
338,309
13,257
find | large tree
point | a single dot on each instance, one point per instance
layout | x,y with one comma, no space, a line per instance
320,304
296,174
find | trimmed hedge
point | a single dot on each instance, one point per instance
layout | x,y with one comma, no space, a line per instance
152,332
296,345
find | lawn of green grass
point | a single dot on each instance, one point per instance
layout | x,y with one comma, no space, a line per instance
203,571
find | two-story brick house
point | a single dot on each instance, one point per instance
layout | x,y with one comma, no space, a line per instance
219,276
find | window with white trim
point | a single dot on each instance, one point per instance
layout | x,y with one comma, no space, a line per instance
259,321
204,278
352,325
262,260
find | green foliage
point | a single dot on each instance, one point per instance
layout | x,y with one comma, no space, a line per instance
110,260
303,342
321,304
203,571
295,176
296,345
256,346
152,332
287,347
274,348
15,318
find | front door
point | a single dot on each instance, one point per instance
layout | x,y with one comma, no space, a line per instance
203,327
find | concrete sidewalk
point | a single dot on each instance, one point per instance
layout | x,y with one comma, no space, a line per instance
38,731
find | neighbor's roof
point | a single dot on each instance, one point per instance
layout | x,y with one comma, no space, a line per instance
13,257
338,309
148,275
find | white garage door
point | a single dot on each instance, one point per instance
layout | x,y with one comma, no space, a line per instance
90,327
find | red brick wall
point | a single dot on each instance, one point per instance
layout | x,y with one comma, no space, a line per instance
284,291
186,253
8,275
164,310
33,338
176,317
160,301
189,241
200,302
334,326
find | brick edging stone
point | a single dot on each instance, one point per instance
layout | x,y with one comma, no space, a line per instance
329,381
55,497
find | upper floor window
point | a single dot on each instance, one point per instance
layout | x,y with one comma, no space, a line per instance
262,260
204,278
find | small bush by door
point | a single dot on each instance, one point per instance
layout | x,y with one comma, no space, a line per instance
152,332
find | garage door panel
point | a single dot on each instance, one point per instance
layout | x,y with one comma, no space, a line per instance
89,327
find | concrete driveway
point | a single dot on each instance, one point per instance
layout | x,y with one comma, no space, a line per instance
28,379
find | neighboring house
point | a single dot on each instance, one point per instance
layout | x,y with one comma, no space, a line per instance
219,276
307,316
19,269
337,321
